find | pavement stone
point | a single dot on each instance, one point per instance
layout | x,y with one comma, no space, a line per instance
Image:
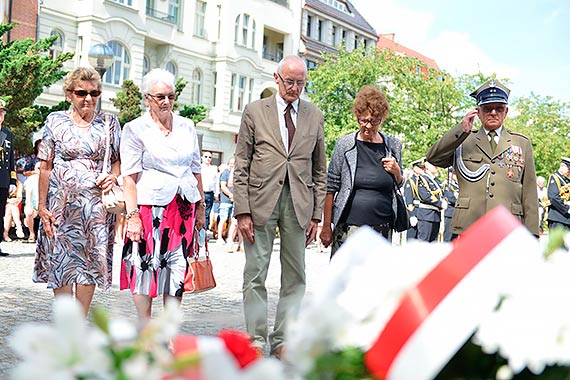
204,314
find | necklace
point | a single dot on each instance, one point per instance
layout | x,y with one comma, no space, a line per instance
82,126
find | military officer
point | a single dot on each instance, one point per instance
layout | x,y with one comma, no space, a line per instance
559,196
430,192
494,166
450,192
412,198
7,170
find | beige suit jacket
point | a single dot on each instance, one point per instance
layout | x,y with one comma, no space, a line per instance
510,180
262,162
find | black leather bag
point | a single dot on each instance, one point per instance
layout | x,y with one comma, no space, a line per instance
402,218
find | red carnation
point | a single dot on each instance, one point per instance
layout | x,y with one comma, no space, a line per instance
239,344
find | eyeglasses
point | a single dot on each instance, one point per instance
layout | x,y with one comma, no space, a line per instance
373,122
207,156
490,108
83,93
290,83
161,97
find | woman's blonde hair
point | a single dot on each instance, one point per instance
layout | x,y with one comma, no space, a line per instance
81,74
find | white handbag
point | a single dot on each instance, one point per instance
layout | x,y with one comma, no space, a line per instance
114,199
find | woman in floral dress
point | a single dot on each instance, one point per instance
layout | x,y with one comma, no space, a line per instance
160,163
75,240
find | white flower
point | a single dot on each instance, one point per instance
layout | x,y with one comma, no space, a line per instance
65,351
366,280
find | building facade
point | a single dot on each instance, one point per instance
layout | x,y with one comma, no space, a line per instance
227,50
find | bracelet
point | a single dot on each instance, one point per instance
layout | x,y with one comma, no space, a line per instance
131,213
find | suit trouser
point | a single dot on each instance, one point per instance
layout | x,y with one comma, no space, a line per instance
3,199
427,231
209,201
257,258
447,235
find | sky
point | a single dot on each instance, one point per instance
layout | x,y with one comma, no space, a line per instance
527,42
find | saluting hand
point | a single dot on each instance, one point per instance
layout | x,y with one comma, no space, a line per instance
467,122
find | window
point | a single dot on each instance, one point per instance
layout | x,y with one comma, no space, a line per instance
57,46
252,44
233,91
196,87
320,30
124,2
241,96
146,64
250,90
200,19
244,31
171,68
174,11
334,34
119,70
309,25
214,90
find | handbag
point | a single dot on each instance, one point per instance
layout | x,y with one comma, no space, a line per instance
114,199
402,218
200,274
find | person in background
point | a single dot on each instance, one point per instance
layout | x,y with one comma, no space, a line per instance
450,193
226,201
494,166
12,213
412,196
7,167
31,206
363,170
279,181
74,250
542,193
430,190
559,196
209,177
160,162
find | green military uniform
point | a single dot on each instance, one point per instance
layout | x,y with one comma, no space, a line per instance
490,171
508,180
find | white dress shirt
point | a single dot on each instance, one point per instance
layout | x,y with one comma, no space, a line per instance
281,104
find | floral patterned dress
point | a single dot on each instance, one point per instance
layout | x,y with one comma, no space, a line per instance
81,251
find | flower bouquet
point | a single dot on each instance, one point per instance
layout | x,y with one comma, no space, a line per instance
492,305
114,350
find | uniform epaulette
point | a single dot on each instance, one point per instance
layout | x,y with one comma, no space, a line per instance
517,134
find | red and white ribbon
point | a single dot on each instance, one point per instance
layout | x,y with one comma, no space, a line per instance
437,316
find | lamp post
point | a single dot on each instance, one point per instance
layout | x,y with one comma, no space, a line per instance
101,57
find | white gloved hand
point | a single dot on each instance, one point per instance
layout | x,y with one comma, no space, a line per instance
12,189
444,204
413,221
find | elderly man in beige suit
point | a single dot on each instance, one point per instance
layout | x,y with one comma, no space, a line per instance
279,181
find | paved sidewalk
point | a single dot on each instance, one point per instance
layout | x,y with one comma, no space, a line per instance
204,314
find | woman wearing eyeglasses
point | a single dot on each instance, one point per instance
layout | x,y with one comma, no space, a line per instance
361,174
160,163
75,242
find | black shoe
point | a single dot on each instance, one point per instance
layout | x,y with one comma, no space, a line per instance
4,254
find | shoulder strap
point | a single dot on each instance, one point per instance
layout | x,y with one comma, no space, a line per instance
107,144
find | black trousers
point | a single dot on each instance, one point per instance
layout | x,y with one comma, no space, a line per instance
3,198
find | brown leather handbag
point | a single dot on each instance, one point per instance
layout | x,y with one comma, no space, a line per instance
200,274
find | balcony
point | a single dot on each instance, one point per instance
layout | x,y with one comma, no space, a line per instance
285,3
172,19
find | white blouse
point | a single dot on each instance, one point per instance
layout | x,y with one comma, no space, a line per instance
166,166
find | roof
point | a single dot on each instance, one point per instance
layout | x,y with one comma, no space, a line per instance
357,21
386,41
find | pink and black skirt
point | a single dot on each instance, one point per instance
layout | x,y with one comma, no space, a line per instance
158,264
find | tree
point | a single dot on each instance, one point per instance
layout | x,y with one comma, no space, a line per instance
424,103
194,112
547,123
128,101
25,71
